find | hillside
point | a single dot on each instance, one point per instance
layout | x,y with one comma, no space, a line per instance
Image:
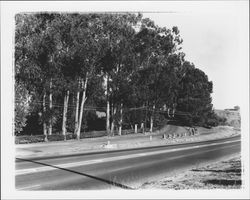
232,116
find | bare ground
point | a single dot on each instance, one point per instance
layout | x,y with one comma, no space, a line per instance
219,175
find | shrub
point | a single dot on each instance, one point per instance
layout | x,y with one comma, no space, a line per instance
29,139
127,132
55,137
70,136
93,134
21,107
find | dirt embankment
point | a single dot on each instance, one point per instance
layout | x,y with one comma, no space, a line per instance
219,175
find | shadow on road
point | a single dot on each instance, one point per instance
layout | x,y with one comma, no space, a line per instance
79,173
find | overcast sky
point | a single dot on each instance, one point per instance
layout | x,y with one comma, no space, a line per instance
213,41
215,35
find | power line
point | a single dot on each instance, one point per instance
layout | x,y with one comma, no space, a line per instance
55,105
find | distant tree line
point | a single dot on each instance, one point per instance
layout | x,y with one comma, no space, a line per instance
68,66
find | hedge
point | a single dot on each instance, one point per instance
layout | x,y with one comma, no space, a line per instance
55,137
29,139
69,136
93,134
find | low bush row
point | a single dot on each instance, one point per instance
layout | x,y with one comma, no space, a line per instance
69,136
56,137
93,134
29,139
41,138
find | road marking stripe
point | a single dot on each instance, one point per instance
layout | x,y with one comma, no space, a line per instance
28,187
115,158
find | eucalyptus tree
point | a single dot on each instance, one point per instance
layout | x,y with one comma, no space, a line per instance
66,61
118,31
87,35
194,96
34,64
122,58
22,106
154,46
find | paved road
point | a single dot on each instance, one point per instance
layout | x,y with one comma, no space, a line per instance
118,169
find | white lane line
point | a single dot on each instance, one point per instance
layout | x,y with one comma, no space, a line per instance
142,154
115,158
196,153
28,187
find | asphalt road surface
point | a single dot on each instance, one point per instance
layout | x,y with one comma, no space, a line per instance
122,169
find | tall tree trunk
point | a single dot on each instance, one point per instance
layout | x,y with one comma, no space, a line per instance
77,107
44,111
108,107
50,107
108,118
152,119
173,110
120,122
113,120
65,110
82,105
146,116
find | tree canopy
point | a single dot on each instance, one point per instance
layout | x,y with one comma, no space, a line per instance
68,66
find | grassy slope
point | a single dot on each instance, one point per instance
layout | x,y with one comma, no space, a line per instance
220,175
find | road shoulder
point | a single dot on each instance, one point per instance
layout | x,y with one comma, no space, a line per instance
223,174
110,144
